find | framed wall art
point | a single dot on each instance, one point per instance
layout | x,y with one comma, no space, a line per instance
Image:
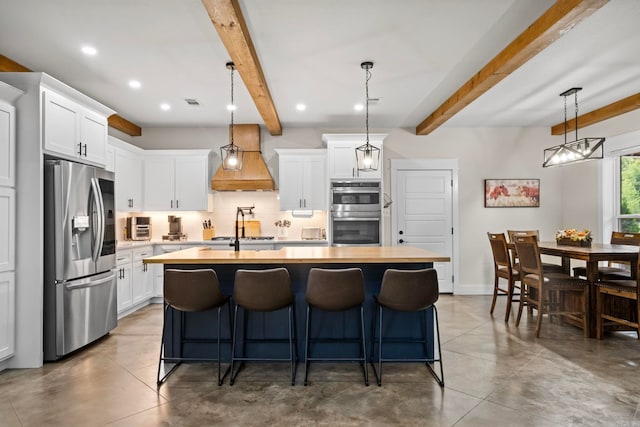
511,193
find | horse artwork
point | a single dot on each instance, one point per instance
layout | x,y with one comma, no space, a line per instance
511,193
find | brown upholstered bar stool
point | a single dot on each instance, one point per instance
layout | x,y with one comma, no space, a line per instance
191,291
545,284
263,291
335,290
502,270
408,291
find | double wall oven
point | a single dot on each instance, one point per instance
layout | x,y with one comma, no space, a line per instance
356,213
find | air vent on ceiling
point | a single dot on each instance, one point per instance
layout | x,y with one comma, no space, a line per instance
192,101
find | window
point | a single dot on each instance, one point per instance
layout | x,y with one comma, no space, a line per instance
629,197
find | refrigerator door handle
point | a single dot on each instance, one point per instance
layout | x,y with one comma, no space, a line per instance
99,241
90,283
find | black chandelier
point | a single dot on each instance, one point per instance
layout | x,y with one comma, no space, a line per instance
576,151
367,155
231,154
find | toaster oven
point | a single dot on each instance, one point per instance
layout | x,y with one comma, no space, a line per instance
139,228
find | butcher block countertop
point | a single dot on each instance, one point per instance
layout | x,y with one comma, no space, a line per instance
300,255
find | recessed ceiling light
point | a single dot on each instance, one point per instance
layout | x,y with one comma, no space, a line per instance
358,107
89,50
165,107
135,84
231,107
301,107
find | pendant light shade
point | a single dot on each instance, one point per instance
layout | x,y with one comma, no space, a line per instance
231,154
577,151
367,156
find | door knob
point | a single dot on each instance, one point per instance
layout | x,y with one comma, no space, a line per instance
401,241
400,232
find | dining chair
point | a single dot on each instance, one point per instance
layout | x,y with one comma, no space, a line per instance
545,284
546,266
502,269
610,271
612,295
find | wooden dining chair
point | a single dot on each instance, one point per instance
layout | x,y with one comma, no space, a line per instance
615,298
502,269
545,285
610,271
546,266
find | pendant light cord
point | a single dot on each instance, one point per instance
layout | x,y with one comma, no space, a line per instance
366,83
231,65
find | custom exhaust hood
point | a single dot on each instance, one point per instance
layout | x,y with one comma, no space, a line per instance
254,174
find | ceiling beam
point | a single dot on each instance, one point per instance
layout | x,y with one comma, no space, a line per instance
561,17
120,123
228,21
617,108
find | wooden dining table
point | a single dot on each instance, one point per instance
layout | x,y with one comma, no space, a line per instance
592,255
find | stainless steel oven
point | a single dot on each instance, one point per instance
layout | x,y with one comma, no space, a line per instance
355,228
356,196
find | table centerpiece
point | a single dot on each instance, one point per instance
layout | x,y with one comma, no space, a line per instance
574,237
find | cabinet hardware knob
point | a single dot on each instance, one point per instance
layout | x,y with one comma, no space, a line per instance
401,241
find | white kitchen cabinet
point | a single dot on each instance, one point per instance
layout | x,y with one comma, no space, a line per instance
129,174
110,158
73,131
302,181
123,272
158,269
7,144
7,314
142,285
176,181
7,228
341,155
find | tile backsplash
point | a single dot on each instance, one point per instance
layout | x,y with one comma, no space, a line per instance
267,211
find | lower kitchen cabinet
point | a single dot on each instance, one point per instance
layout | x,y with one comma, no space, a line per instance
135,279
7,314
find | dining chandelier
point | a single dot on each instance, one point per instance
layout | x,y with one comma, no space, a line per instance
576,151
367,155
231,154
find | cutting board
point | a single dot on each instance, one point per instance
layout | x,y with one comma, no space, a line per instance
251,228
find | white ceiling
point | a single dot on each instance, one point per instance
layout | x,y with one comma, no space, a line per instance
311,50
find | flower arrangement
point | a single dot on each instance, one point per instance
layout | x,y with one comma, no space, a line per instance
283,223
572,236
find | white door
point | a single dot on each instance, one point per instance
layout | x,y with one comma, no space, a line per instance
425,216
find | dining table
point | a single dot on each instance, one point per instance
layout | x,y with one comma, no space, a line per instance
592,255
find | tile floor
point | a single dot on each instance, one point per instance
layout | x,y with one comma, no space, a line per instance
496,375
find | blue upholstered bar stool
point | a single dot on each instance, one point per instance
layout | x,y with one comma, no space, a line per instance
408,291
335,290
263,291
191,291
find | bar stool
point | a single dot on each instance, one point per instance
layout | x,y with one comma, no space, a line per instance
408,291
263,291
191,291
335,290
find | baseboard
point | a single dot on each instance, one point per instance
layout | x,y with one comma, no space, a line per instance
473,289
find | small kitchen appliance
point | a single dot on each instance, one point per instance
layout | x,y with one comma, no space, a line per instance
139,228
175,229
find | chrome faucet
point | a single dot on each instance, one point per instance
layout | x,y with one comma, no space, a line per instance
240,211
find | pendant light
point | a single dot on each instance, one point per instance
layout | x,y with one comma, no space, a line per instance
576,151
367,155
231,154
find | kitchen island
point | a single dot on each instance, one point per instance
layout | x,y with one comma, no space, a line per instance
298,260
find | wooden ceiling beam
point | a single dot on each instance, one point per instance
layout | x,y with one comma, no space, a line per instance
120,123
561,17
228,21
617,108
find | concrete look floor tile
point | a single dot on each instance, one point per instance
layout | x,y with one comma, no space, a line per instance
495,374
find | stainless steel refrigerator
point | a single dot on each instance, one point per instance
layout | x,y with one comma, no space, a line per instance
80,285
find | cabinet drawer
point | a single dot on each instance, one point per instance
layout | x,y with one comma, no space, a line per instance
124,257
141,253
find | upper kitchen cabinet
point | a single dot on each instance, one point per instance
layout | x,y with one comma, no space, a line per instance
128,168
8,135
176,180
341,160
302,181
72,130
